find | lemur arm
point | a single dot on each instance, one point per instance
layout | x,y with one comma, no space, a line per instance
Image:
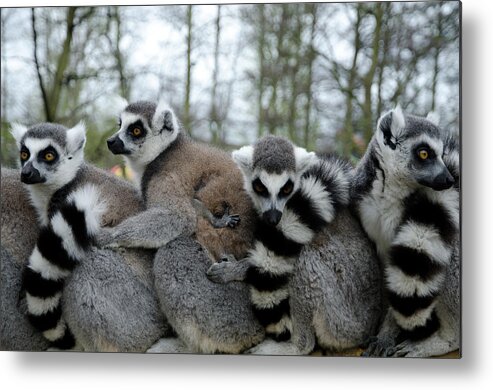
229,271
226,220
151,229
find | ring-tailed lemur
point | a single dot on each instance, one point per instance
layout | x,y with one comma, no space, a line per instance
108,302
296,195
51,157
173,173
405,196
334,297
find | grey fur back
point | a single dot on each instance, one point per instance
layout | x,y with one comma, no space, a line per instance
19,233
212,315
337,283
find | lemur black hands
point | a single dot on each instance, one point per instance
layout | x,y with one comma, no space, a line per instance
223,271
226,220
220,219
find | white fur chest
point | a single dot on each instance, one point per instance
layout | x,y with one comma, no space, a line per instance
40,197
381,212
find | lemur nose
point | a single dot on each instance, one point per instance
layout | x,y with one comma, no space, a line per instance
27,175
272,217
110,141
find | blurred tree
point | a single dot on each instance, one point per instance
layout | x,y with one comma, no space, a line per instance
215,122
320,74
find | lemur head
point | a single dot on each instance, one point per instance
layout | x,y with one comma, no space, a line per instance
50,154
412,148
272,169
145,130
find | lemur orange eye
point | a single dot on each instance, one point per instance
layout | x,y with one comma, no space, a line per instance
136,132
24,156
258,187
49,156
287,189
423,154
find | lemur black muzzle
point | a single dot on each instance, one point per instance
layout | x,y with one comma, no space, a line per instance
443,181
272,217
30,175
440,182
115,145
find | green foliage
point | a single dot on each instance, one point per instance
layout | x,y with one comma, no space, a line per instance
9,151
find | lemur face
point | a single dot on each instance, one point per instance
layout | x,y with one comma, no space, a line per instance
426,163
413,148
145,130
272,170
270,193
49,153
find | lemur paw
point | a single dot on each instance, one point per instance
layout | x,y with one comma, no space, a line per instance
226,220
220,272
379,347
233,220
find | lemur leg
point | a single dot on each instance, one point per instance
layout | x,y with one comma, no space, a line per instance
226,220
385,341
151,229
229,271
433,346
302,340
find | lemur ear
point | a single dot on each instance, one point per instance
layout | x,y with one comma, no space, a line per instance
390,126
433,117
17,130
243,157
304,159
164,119
76,138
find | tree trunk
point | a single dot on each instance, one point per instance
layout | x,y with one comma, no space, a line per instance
367,118
261,76
436,58
348,130
61,65
120,62
307,136
42,87
215,125
188,82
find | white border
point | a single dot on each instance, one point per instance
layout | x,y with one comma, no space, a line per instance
474,370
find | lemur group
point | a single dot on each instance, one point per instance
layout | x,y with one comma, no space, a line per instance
270,249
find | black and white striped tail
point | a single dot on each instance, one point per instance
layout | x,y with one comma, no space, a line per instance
419,255
323,189
61,245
